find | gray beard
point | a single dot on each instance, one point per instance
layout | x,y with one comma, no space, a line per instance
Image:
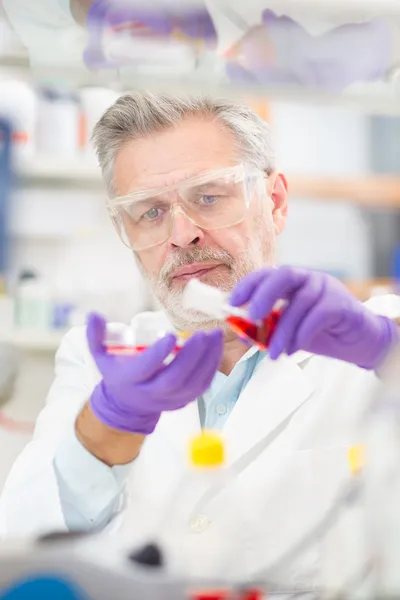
259,252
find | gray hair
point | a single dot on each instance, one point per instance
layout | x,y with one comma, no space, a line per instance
136,115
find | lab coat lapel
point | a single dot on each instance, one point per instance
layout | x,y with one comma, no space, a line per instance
275,391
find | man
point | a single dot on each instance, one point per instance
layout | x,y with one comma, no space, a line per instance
194,191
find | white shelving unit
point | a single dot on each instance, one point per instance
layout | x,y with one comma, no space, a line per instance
33,341
46,172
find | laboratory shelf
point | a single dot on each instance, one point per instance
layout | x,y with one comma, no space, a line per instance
49,341
33,341
207,69
381,191
376,191
45,172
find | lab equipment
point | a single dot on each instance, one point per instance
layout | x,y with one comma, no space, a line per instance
95,101
190,512
161,35
135,391
91,567
213,200
145,329
58,111
345,573
321,316
32,302
214,303
64,303
45,588
179,532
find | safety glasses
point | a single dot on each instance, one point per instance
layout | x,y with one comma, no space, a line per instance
213,200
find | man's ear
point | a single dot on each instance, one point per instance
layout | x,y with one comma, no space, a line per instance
277,188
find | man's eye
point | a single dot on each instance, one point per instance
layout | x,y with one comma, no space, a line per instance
151,214
208,199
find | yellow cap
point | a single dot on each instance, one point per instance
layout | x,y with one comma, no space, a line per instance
207,450
355,458
184,335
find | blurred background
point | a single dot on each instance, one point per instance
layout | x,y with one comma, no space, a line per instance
59,254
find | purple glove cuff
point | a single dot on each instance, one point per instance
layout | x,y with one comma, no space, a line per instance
105,409
390,336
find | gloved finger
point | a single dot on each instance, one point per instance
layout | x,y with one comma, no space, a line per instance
149,362
245,288
285,335
207,363
199,379
313,324
95,334
280,285
172,376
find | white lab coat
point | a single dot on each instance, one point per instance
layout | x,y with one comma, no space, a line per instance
287,441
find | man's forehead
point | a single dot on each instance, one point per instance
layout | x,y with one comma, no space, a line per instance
167,158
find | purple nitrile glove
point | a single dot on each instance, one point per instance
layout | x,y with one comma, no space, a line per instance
283,52
135,390
321,316
132,20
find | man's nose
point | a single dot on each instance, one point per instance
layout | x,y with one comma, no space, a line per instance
184,231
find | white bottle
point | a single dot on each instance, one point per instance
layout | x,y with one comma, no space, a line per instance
95,101
58,132
186,520
33,305
344,551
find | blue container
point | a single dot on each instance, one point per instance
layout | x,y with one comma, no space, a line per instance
43,588
5,190
396,268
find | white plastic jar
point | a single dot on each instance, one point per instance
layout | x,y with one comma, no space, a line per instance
58,133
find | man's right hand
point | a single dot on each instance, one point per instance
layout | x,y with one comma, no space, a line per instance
135,390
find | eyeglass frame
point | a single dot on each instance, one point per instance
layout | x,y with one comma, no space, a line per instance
120,201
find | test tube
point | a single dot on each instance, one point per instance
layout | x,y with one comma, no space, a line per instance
144,330
119,340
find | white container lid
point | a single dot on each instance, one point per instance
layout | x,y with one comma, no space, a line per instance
205,298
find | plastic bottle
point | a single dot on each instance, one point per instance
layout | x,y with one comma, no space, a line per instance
64,304
95,101
33,306
145,329
344,550
58,132
213,302
186,516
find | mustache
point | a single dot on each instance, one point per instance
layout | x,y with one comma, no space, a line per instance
193,255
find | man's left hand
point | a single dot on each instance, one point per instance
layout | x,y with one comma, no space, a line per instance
321,316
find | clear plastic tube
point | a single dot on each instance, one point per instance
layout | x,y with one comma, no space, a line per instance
213,302
145,330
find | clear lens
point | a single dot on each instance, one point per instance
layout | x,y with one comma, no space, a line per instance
213,201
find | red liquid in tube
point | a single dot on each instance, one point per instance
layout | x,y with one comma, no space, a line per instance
259,334
210,595
120,350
